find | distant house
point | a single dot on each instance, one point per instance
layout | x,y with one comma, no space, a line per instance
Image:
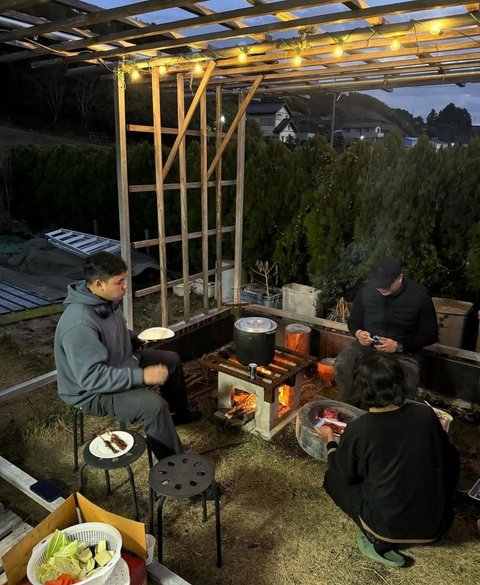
410,141
365,131
275,120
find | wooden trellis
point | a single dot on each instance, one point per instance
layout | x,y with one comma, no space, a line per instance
210,181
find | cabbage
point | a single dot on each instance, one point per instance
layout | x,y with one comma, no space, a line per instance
63,556
56,543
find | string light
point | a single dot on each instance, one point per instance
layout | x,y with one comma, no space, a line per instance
435,28
162,69
198,69
395,45
135,74
337,51
242,56
297,60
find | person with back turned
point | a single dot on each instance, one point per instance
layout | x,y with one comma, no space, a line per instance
101,371
394,470
391,314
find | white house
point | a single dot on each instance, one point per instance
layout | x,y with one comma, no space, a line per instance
275,120
365,131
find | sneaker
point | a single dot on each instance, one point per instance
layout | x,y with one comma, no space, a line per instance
390,558
186,417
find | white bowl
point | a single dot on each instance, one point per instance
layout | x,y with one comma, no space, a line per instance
156,334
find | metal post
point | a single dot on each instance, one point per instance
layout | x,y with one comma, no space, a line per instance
332,129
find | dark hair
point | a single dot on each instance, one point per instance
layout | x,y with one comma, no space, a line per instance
378,380
103,266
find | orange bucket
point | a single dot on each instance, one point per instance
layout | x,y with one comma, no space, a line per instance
326,370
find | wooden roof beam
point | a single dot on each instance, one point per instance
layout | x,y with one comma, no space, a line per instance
100,15
165,28
20,4
364,85
331,18
232,24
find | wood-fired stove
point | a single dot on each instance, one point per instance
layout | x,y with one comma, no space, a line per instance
268,384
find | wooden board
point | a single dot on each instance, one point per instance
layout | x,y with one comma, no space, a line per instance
12,530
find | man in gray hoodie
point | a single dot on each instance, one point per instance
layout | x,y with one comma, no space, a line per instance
99,369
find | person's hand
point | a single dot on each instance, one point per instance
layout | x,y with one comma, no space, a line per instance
363,337
386,345
153,375
326,433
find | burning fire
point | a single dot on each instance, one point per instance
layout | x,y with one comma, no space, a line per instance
243,403
285,395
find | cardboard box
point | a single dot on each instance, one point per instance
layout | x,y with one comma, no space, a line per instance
74,510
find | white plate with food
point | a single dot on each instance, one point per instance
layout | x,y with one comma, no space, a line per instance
156,334
112,444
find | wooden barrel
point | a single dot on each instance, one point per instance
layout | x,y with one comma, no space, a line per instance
297,337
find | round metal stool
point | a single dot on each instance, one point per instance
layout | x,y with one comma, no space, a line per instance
122,461
184,476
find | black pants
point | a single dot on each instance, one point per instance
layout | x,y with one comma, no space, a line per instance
174,390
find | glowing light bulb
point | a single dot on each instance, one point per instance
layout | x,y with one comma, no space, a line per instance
395,45
198,68
297,60
337,51
242,57
435,28
162,69
135,74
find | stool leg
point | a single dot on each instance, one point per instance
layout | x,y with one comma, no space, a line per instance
218,535
82,434
150,510
150,455
123,426
134,492
107,481
161,501
204,505
80,477
75,440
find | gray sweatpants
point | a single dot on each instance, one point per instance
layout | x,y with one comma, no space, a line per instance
147,405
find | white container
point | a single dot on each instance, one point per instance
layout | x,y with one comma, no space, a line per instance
197,287
300,299
451,316
227,281
91,533
179,290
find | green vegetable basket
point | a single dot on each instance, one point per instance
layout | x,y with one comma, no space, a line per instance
91,533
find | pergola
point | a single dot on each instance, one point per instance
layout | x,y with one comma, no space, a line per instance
243,48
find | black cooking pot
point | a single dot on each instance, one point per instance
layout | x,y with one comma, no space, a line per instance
254,340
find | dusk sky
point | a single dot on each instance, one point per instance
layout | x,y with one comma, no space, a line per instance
419,101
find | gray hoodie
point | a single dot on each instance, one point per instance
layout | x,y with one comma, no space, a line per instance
93,349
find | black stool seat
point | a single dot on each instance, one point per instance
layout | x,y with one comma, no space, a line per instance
184,476
122,461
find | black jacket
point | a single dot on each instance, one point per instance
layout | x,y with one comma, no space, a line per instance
407,316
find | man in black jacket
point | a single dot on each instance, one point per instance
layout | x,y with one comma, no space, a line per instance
391,314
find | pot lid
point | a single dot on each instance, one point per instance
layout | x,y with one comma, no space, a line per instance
256,325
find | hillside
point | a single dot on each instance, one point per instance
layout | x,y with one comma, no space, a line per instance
315,111
11,135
